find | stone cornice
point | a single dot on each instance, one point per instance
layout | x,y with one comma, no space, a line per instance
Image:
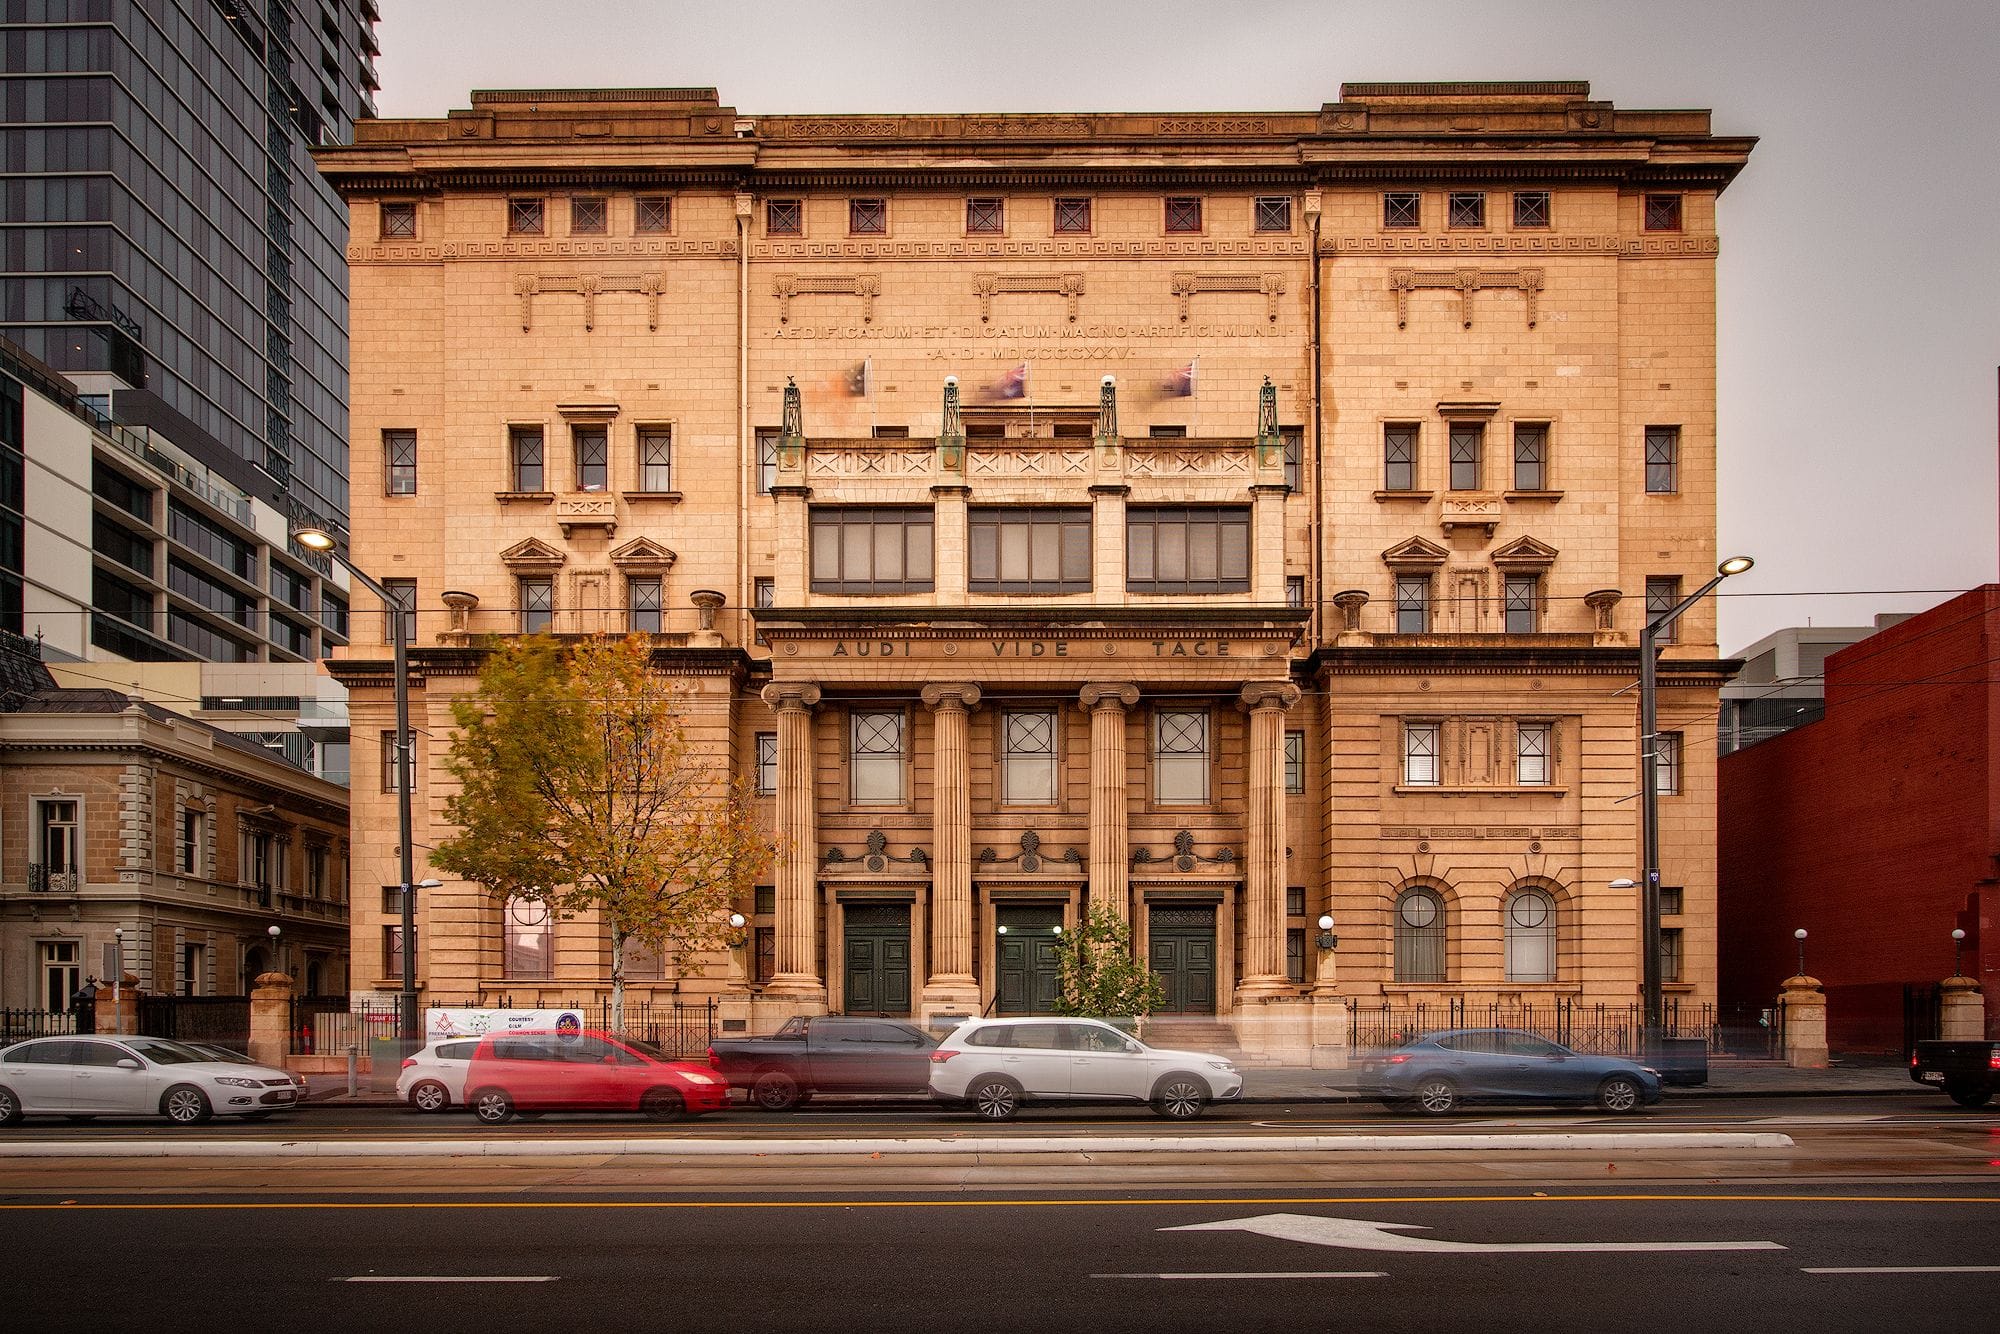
123,750
1244,620
528,248
455,661
1495,660
1415,244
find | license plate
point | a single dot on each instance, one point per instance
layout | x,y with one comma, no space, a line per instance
1932,1076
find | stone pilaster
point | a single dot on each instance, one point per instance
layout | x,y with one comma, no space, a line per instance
951,985
1110,839
953,554
798,846
1264,879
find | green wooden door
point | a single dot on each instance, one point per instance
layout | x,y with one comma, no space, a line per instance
1181,949
1028,977
878,959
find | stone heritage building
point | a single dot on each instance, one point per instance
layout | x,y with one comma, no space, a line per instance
1229,519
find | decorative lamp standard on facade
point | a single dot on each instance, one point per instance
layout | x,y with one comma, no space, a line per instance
1800,936
277,955
1327,940
1649,804
118,981
1957,944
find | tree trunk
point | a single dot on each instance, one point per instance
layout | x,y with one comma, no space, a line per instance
617,979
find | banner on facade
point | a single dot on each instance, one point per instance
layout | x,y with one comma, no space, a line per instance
455,1023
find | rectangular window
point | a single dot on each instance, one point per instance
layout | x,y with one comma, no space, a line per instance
399,452
316,857
985,215
1295,900
586,215
643,604
1293,438
1531,208
868,217
767,459
399,221
1173,550
767,953
1183,213
399,617
59,837
1520,603
1295,764
1273,213
1399,457
392,951
1420,754
190,842
1180,757
656,458
1663,213
1413,604
1531,456
1295,590
527,939
1667,763
1028,764
524,217
1663,460
1402,208
875,757
1466,443
871,549
1166,432
764,592
391,771
767,762
1670,954
1531,754
784,217
1072,217
538,605
1029,550
1295,954
1663,594
593,457
652,213
1466,208
524,447
1670,900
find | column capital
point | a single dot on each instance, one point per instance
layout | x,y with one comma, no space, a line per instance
1279,695
1109,695
786,696
951,695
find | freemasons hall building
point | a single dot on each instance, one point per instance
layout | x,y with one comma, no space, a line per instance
1240,521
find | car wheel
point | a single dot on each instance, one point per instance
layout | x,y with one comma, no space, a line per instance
10,1106
1966,1096
1619,1094
775,1091
1437,1096
663,1105
995,1099
185,1105
430,1096
1180,1098
492,1106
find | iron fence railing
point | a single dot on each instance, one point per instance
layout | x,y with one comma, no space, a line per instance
1595,1029
680,1028
19,1025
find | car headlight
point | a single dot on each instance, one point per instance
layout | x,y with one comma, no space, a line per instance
238,1082
1651,1071
694,1078
1223,1066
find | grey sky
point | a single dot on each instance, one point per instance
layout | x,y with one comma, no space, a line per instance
1860,280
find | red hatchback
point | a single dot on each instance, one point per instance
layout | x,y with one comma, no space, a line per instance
584,1071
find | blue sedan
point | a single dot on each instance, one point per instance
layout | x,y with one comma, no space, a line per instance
1440,1072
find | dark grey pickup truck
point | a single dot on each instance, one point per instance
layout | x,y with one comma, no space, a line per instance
1968,1072
827,1054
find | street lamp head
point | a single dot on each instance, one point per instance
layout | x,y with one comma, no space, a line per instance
1799,934
1326,921
428,884
118,933
1735,565
313,539
1958,933
1623,882
736,920
273,931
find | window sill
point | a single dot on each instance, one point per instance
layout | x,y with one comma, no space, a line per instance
670,497
528,497
1518,790
1404,495
1550,496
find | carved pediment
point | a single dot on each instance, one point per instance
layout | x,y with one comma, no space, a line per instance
644,556
533,556
1525,551
1415,552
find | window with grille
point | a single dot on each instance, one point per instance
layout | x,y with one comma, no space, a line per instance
1295,764
1466,208
586,215
1180,757
1173,550
593,457
1273,213
1183,213
1028,763
1667,763
1531,754
399,615
767,459
1520,603
1663,213
652,213
1531,208
1402,208
1420,754
399,451
1295,590
1293,438
1465,444
524,445
871,549
767,762
1530,918
1663,459
1670,899
656,458
1029,550
1399,457
529,939
1671,954
538,605
1295,954
644,599
1413,604
764,592
392,773
399,221
524,217
1663,594
985,215
875,757
191,841
392,951
1531,456
1420,936
784,217
1072,216
867,217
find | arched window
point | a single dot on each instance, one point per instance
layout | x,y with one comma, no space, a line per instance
1419,936
528,932
1530,924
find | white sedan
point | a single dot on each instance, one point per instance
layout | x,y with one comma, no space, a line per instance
995,1065
82,1077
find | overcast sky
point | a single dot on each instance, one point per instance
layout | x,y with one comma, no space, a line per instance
1860,276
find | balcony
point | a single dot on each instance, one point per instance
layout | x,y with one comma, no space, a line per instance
44,879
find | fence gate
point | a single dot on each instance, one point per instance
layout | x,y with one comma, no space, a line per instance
1923,1014
222,1020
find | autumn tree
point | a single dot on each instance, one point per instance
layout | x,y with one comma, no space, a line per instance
1100,978
580,788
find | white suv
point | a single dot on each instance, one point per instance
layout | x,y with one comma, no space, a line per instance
433,1080
995,1065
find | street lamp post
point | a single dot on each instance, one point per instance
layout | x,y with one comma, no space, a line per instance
118,981
1649,804
1957,944
1800,936
277,950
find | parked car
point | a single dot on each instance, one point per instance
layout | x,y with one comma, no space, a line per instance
433,1080
826,1054
1441,1072
83,1077
585,1071
1967,1071
993,1066
234,1057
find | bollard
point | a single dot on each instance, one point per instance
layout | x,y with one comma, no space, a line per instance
353,1069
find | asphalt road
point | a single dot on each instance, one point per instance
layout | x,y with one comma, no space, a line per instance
1827,1259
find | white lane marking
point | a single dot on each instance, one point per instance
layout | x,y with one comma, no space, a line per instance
449,1278
1908,1269
1305,1273
1361,1234
1827,1119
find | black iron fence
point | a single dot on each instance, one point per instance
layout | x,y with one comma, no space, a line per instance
329,1025
19,1025
1749,1030
221,1020
1595,1029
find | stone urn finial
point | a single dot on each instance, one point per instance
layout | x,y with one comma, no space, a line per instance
707,602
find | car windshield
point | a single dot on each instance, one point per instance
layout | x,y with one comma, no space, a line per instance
162,1051
645,1048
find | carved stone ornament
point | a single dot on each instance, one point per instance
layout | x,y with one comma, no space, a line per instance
1350,601
1415,553
789,696
986,286
1272,285
590,286
1465,282
1603,601
1525,553
1184,857
644,556
786,286
532,556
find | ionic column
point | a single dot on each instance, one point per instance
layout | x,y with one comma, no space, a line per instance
798,842
951,981
1110,838
1264,882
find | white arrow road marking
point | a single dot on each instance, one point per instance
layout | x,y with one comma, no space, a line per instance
1361,1234
1324,1273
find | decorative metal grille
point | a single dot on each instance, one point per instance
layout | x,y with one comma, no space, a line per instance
646,598
1031,734
1519,600
1399,458
1467,208
1531,754
1295,764
1413,604
1663,594
985,215
524,217
1183,214
1072,216
878,734
652,213
526,444
538,605
767,461
1663,213
1663,459
1420,754
399,221
399,448
1402,208
1466,440
586,215
1531,208
767,761
1531,453
1274,213
784,217
868,217
656,459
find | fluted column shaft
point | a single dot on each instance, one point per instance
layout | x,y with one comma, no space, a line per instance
798,841
1110,838
1264,879
951,892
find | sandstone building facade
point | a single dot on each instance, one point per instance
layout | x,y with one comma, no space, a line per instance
1231,519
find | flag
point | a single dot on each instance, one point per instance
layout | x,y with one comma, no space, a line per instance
1180,381
1014,384
860,377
